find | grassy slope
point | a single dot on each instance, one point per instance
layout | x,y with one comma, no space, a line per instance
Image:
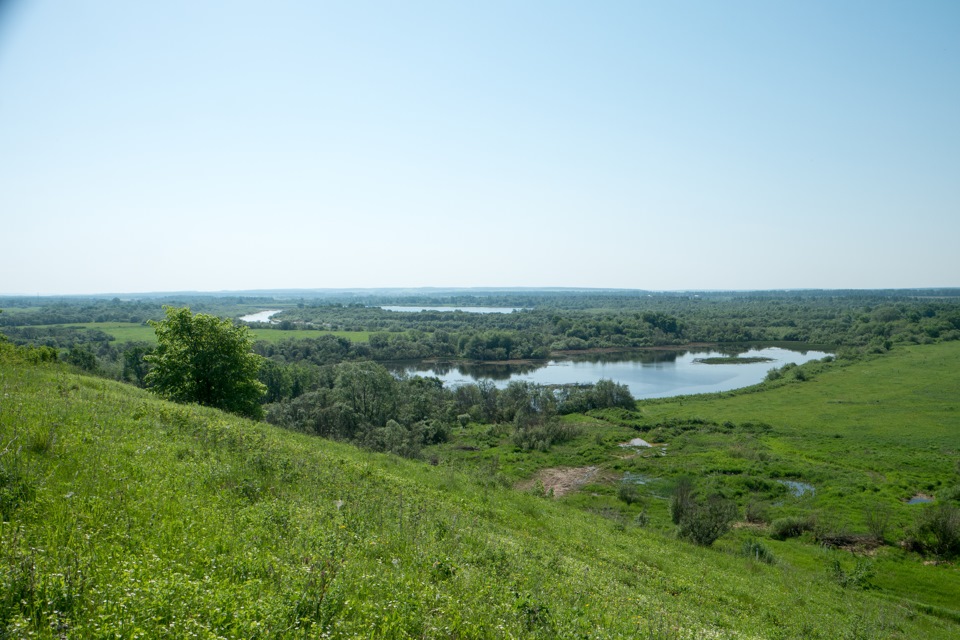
126,516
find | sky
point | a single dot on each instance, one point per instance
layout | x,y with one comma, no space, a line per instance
212,146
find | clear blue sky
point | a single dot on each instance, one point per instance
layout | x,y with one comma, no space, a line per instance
181,145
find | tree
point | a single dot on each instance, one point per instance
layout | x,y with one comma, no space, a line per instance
208,360
135,367
369,390
82,357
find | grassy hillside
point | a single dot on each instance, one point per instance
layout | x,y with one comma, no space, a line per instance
125,516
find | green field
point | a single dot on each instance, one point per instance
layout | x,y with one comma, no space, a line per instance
126,516
138,332
121,331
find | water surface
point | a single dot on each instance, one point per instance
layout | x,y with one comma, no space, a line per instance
648,374
260,316
464,309
798,489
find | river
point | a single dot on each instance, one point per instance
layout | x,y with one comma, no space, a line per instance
648,374
260,316
464,309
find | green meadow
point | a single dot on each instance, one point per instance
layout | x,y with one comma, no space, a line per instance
120,331
124,516
139,332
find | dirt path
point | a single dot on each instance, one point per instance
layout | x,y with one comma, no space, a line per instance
561,480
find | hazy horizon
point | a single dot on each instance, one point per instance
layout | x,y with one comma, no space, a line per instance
446,291
687,146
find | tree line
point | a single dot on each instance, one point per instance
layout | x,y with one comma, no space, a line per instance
363,403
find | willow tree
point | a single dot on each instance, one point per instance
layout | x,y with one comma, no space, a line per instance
205,359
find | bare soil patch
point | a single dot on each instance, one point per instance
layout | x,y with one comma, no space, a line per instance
560,480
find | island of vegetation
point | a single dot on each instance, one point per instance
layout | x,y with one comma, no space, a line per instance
734,360
167,470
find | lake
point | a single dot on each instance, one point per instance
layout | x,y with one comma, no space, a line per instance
648,374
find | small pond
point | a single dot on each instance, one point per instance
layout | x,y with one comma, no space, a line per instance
798,489
648,374
635,478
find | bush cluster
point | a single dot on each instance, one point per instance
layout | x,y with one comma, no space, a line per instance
543,436
791,526
938,530
701,521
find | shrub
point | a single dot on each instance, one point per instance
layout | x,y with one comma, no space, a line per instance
856,578
629,492
542,437
642,519
938,530
706,522
755,550
681,502
755,512
540,490
791,526
877,519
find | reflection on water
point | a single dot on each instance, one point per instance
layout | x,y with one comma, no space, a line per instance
798,489
474,371
648,374
644,357
450,309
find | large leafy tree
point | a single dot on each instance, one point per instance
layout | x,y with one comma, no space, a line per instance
204,359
